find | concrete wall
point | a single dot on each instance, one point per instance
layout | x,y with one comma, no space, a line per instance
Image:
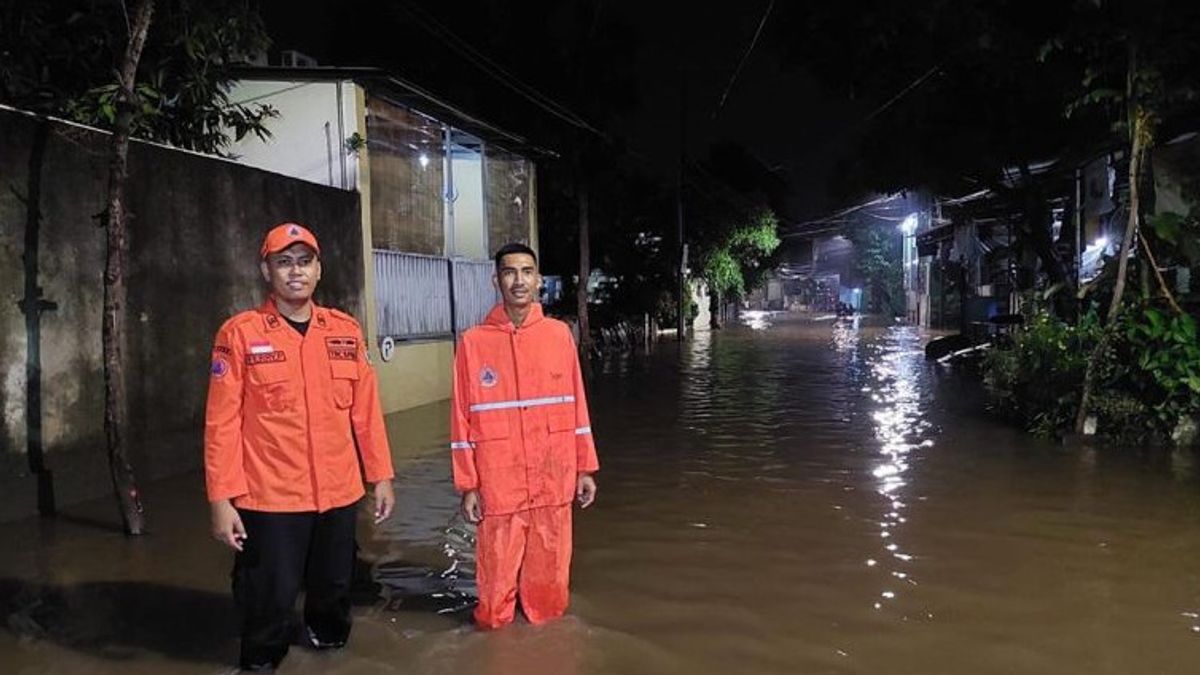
196,227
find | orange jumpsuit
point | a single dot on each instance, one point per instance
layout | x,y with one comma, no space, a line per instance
281,408
520,434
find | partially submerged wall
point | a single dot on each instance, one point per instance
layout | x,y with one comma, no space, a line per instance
195,229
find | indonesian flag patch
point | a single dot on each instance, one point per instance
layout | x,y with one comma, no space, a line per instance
260,347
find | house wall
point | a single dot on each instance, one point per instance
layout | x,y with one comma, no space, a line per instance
308,138
470,238
401,176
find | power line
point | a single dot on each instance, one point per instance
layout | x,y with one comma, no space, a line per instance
915,83
839,215
737,71
495,70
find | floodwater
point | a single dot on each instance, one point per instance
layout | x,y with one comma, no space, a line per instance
790,498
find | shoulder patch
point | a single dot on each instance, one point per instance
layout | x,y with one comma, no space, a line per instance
339,314
238,320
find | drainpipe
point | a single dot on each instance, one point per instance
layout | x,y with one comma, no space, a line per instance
32,306
449,196
329,152
341,128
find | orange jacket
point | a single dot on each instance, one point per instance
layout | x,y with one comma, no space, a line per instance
284,412
519,428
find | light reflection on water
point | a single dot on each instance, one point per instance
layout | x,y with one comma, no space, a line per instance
749,473
899,430
805,498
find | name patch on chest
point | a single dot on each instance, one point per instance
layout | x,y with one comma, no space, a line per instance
269,357
342,348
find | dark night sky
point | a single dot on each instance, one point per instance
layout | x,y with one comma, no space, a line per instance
775,110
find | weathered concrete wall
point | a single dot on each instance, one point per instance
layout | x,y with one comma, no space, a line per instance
194,236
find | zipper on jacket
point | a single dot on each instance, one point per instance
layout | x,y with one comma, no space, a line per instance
312,464
512,343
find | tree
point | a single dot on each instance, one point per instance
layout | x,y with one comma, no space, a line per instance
1140,68
171,86
736,262
58,58
878,258
116,406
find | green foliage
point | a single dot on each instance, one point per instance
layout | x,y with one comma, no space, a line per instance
724,274
355,143
1180,233
1163,364
1148,377
737,263
878,258
1129,58
1038,378
59,58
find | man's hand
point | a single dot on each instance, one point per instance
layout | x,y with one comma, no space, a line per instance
385,500
585,490
227,525
472,507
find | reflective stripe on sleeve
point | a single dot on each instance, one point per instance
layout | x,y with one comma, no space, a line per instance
583,431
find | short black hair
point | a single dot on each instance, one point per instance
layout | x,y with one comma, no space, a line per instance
511,248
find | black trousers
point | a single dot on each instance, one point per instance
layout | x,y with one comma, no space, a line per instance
282,553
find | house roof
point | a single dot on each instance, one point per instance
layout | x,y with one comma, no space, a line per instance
385,84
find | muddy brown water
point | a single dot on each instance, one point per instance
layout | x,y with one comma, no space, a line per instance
797,498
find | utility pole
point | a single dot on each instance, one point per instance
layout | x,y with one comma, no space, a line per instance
680,291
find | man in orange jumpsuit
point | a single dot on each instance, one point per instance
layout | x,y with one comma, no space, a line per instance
292,426
522,447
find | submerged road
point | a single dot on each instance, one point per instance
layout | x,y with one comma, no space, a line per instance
796,498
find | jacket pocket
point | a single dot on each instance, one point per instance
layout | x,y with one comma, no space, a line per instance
271,385
345,377
491,425
561,420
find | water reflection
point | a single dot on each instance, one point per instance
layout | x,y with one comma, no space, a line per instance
756,319
762,491
899,427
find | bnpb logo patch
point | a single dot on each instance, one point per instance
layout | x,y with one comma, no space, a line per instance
488,377
219,367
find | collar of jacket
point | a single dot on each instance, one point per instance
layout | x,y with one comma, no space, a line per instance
274,320
498,318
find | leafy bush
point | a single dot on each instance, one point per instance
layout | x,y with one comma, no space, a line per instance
1038,378
1162,366
1148,380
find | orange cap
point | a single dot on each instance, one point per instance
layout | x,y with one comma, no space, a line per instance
283,236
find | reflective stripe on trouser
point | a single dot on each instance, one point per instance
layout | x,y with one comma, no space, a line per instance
526,554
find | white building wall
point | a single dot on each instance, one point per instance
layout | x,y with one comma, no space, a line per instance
469,224
308,138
